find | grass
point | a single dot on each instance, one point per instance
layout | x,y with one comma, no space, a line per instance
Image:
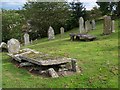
98,60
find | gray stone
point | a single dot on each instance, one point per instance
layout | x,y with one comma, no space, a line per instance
88,26
3,45
52,73
25,64
107,25
93,24
62,30
26,39
75,66
13,46
81,25
51,33
113,26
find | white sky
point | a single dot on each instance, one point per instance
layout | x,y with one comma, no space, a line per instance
15,4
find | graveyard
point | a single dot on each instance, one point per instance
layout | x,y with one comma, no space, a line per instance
97,60
70,44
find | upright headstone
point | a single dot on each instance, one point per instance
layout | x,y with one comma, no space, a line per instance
62,30
51,33
107,25
113,26
13,46
87,26
93,24
26,39
81,25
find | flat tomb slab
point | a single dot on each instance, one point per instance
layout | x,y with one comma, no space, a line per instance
42,62
39,58
82,36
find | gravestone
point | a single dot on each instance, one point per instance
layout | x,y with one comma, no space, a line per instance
51,33
62,30
93,24
13,46
113,26
87,26
81,25
107,25
26,39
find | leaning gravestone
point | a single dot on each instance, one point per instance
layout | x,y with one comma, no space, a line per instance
13,46
93,24
62,30
107,25
113,26
81,25
51,33
26,39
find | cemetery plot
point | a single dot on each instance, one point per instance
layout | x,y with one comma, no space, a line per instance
46,64
85,37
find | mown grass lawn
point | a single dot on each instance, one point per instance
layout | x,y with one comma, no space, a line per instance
98,60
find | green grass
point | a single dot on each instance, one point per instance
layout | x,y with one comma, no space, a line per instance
98,60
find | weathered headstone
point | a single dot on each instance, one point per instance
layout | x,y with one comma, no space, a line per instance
87,24
107,25
62,30
113,26
75,66
93,24
81,25
26,39
13,46
51,33
52,73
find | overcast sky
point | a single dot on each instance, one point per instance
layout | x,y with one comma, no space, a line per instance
18,4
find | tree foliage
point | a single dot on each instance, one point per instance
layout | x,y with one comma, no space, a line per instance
11,25
107,7
78,10
45,14
41,15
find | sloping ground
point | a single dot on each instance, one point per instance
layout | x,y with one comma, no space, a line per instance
98,60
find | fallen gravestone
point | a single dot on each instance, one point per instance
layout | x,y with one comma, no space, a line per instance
85,37
51,33
13,46
44,63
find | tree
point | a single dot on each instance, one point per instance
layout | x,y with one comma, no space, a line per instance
95,13
11,25
78,10
107,7
45,14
